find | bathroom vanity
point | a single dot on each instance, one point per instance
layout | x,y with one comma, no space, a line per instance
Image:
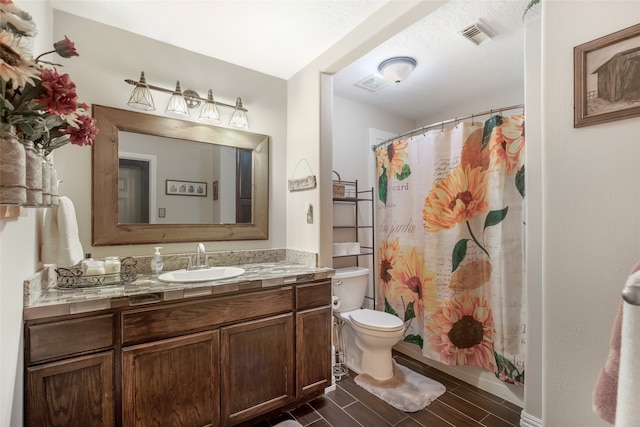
212,354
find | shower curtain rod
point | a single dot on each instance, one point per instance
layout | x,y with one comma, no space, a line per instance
445,122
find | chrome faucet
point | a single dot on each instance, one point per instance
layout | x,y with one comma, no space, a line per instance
201,260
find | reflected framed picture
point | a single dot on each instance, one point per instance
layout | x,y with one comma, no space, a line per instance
186,188
607,78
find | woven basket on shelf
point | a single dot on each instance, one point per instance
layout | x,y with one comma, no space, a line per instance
338,187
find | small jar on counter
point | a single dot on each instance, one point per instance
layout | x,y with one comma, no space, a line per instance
85,262
95,268
112,264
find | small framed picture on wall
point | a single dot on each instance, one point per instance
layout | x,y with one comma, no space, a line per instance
186,188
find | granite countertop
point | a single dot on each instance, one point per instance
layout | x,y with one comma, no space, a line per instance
54,301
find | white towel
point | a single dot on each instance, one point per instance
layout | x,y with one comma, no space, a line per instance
61,241
627,413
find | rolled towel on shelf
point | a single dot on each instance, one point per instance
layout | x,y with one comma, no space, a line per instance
61,240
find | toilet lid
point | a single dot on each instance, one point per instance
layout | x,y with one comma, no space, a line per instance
378,320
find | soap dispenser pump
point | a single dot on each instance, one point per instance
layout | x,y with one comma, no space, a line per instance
156,262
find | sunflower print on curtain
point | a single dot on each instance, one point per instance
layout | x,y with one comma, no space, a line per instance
450,242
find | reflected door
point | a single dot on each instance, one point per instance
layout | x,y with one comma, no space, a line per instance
133,191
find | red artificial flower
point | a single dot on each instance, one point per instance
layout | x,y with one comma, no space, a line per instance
59,95
65,48
85,133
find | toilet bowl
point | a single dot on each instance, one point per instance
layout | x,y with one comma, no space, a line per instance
367,335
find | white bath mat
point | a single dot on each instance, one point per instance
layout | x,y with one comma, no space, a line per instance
288,423
407,390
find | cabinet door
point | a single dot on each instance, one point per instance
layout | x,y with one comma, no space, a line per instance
74,392
173,382
313,350
257,367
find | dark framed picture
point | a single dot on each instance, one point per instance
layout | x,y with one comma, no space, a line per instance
186,188
607,78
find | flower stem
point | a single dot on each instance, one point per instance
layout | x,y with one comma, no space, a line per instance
476,240
42,54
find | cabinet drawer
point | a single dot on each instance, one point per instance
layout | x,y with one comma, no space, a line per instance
68,337
313,295
160,322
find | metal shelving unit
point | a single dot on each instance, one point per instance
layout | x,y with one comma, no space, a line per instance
355,197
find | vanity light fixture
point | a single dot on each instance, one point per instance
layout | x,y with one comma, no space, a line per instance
180,103
177,104
209,112
239,118
396,70
141,96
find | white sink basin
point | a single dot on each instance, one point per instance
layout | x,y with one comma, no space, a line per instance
204,275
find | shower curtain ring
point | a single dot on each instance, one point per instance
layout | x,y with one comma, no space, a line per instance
472,120
442,126
456,122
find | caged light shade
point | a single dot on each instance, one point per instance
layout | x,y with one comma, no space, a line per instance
239,117
210,113
141,96
177,104
396,70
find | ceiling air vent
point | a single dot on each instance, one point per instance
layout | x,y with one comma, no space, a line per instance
372,83
476,34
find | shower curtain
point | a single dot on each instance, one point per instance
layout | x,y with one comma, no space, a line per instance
450,242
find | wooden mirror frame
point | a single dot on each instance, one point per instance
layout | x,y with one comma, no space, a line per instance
105,229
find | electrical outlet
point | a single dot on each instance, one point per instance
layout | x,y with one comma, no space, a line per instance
309,210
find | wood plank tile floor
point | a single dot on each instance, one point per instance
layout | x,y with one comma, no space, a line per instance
349,405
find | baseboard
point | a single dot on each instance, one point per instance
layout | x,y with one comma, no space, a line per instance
478,377
527,420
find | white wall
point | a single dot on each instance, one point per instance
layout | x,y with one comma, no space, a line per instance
108,56
591,221
533,215
351,123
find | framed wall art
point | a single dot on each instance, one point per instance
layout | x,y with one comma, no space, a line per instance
607,78
186,188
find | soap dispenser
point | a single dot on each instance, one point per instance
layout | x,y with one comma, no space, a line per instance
156,262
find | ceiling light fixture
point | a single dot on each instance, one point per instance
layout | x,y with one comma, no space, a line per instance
396,70
180,103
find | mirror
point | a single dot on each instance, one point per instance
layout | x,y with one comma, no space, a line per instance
150,167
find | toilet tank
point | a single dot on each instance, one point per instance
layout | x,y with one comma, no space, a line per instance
350,286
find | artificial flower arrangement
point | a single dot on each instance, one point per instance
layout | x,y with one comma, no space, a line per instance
41,103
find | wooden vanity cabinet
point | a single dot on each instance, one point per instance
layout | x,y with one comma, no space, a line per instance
70,372
212,361
76,392
257,368
172,382
313,338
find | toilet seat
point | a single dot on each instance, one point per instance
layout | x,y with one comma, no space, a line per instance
376,320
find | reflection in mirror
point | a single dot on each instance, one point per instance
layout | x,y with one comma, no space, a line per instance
176,181
213,188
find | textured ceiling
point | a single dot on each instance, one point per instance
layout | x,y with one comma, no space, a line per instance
451,68
275,37
280,37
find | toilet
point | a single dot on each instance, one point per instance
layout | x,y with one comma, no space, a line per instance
366,335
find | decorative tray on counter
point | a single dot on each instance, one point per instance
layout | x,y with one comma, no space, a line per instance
73,277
